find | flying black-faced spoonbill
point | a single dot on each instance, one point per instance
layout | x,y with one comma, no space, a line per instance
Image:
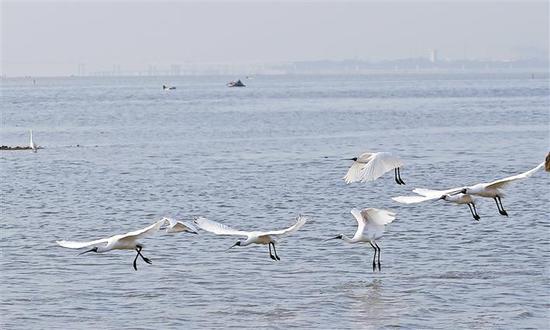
371,224
428,195
127,241
370,166
257,237
494,189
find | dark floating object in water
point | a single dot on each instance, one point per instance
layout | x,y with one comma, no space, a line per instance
164,87
237,83
17,148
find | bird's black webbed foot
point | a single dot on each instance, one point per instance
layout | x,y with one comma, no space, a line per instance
273,257
147,260
503,212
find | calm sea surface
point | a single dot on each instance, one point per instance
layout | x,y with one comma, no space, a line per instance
254,158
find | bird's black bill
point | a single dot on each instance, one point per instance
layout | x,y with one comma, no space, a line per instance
336,237
232,246
91,250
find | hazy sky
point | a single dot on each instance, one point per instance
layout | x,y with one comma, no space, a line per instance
51,38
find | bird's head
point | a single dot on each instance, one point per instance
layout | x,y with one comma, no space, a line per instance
464,191
354,159
444,197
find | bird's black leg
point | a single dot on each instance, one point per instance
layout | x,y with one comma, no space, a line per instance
373,258
395,175
275,252
147,260
135,259
270,254
476,216
399,176
472,211
379,268
498,205
501,210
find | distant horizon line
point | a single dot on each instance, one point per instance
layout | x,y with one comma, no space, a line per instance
524,70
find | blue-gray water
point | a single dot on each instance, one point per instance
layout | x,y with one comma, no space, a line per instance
254,158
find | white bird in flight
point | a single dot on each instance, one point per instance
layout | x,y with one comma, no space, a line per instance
428,194
494,189
371,224
257,237
32,145
370,166
488,190
128,241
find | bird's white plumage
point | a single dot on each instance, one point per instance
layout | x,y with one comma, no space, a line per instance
80,245
354,173
300,221
140,233
221,229
371,222
371,166
218,228
425,195
175,226
503,182
126,240
411,199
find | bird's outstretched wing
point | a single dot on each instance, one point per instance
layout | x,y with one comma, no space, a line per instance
378,217
503,182
372,221
300,221
149,230
360,221
218,228
80,245
175,226
412,199
379,164
354,173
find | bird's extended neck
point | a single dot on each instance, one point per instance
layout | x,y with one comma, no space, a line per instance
347,239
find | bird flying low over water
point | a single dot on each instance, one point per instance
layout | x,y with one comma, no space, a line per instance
370,166
428,194
494,189
257,237
371,224
129,241
488,190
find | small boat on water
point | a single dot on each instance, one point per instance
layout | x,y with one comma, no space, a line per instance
237,83
164,87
